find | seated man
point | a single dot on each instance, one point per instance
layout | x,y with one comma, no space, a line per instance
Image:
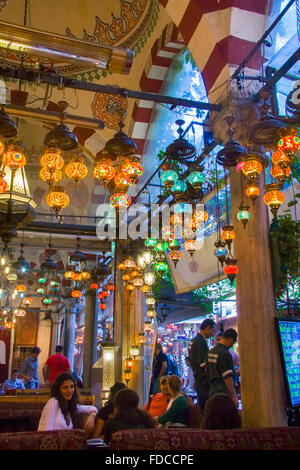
158,404
13,383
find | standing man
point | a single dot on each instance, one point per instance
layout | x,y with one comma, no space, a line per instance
160,367
29,369
55,365
219,366
198,351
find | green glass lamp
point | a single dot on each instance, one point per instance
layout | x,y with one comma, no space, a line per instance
196,179
169,178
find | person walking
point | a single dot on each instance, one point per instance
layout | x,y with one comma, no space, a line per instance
198,351
160,367
220,368
55,365
29,369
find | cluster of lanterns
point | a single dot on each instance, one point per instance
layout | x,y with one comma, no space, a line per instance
103,295
170,179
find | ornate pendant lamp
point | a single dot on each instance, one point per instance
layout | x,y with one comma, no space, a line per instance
169,178
122,182
50,176
147,326
178,190
273,198
175,256
52,159
196,179
103,170
191,246
48,264
243,215
231,270
161,246
120,201
14,157
252,191
76,169
232,151
289,142
280,174
149,278
220,252
161,267
61,137
57,199
252,166
151,243
151,313
281,159
132,169
167,233
21,265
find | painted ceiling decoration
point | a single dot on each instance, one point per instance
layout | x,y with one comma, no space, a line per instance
109,108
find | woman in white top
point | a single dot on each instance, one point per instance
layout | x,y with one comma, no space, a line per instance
63,406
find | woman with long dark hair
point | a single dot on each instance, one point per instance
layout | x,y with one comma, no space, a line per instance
61,409
220,412
127,415
107,410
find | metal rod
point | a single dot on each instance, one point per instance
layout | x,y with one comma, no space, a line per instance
56,80
261,40
149,179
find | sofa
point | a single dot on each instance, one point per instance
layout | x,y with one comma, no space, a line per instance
44,440
274,438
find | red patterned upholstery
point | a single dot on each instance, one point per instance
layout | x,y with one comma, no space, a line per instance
20,416
44,440
277,438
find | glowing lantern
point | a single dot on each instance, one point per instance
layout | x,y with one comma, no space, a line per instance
220,252
243,215
120,200
20,288
151,313
85,275
76,294
40,290
121,266
167,233
173,244
231,270
252,167
169,178
151,242
57,199
161,246
141,338
280,158
105,293
129,263
14,157
188,234
176,219
2,145
42,280
228,234
178,189
191,246
122,181
50,176
289,143
101,296
127,375
134,351
8,324
111,287
196,179
102,307
129,362
20,312
132,169
77,277
145,289
280,173
126,277
148,326
161,267
134,273
3,183
150,300
252,191
138,282
46,301
69,274
149,278
27,301
175,256
104,171
200,216
273,197
52,159
94,285
130,287
76,170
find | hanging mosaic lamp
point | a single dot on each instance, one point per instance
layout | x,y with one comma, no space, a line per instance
14,157
121,266
102,306
200,216
243,215
151,242
85,275
228,234
40,290
46,301
138,282
76,170
129,263
120,201
147,326
104,171
127,375
27,301
145,289
188,234
281,159
231,270
130,287
141,338
167,233
169,178
191,246
3,183
122,182
161,246
150,300
100,296
9,324
76,294
11,277
176,220
220,252
69,274
279,173
252,167
94,285
149,278
161,267
111,287
175,256
173,244
196,179
57,199
105,293
126,277
289,142
50,176
52,159
252,191
151,313
132,169
128,363
178,189
20,312
42,280
273,198
134,351
147,257
20,288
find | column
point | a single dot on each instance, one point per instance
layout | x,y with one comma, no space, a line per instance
262,388
90,337
118,328
70,321
56,319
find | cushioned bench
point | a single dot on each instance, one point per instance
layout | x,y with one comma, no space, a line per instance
44,440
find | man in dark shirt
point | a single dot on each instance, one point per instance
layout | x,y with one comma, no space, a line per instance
160,367
198,351
219,366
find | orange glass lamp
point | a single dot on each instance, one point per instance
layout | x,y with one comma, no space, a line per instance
85,275
231,270
69,274
94,285
127,375
104,171
289,142
280,173
52,159
102,306
176,219
280,158
57,199
141,338
19,312
151,313
228,234
128,363
191,246
252,167
3,183
105,293
110,287
133,170
14,157
50,176
76,294
120,201
252,191
121,266
200,216
145,289
122,182
101,296
130,287
273,198
126,277
147,326
9,324
20,288
175,256
27,301
77,277
76,169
